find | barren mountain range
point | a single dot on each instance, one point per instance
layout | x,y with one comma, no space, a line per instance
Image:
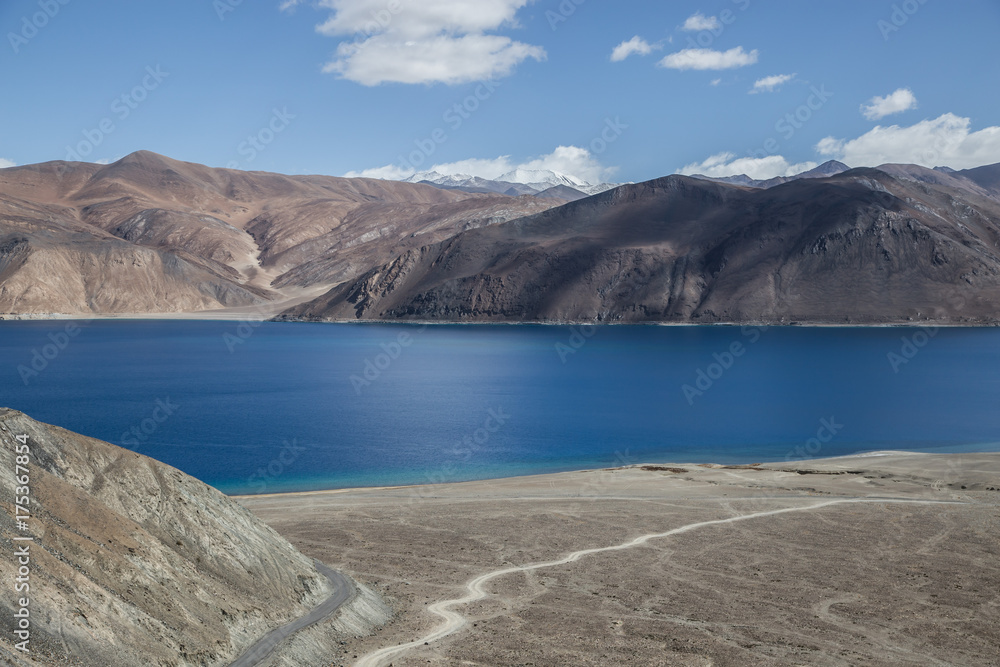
830,168
147,234
901,244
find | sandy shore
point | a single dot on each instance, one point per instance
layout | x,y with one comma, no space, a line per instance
264,312
875,560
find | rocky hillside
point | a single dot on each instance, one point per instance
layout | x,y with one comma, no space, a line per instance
136,563
899,244
148,234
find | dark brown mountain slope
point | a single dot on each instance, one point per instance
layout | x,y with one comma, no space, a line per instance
151,234
859,247
987,177
955,180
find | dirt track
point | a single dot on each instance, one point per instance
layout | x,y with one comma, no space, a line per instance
853,582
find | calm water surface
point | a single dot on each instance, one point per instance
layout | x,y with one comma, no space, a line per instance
282,407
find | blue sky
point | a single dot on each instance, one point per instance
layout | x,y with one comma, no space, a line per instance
371,86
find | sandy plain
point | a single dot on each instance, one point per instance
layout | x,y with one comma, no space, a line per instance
889,559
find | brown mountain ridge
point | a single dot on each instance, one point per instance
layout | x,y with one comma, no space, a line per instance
867,246
147,234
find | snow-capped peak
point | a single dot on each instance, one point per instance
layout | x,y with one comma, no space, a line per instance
544,177
516,181
438,178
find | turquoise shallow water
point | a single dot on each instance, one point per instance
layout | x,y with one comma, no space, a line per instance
295,406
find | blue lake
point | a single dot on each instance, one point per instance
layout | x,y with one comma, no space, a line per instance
296,406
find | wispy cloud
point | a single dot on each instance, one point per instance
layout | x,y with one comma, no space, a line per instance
943,141
901,100
431,41
727,164
771,83
634,45
708,59
4,163
699,21
570,160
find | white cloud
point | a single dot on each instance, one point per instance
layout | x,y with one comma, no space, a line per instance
431,41
482,167
943,141
389,172
441,59
634,45
897,102
699,21
701,59
727,164
771,83
289,4
715,82
573,161
569,160
4,163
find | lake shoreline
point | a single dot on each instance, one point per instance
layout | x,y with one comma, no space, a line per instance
764,465
249,316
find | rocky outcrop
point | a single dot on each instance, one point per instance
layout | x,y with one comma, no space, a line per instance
102,275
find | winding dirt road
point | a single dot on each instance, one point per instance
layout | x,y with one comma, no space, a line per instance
454,621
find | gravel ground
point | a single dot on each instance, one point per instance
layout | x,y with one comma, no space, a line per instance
874,583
